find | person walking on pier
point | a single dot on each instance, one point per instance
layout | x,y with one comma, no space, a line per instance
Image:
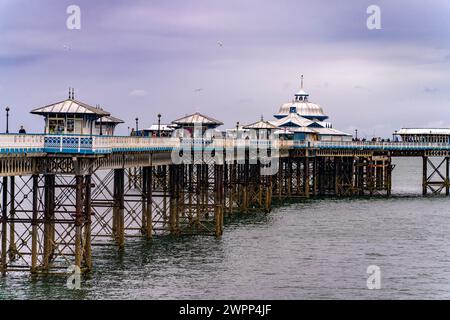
22,130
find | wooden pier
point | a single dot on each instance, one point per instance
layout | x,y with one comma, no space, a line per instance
61,195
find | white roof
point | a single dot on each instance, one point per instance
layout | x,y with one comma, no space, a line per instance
261,124
294,118
196,118
70,106
281,131
302,93
109,119
424,131
329,132
302,129
304,108
162,127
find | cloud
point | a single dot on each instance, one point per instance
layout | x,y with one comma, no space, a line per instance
430,90
138,93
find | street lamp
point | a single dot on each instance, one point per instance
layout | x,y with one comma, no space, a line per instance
7,119
356,134
237,129
137,125
159,124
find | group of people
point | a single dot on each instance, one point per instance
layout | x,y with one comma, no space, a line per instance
373,140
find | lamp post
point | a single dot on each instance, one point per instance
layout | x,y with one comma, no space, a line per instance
159,125
7,119
137,125
356,134
237,129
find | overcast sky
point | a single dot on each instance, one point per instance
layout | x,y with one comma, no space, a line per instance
234,60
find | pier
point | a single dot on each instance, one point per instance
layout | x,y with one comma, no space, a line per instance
78,185
62,194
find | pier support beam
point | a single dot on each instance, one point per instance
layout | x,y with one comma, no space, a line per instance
34,223
12,251
79,219
147,219
87,252
4,233
49,217
119,207
435,175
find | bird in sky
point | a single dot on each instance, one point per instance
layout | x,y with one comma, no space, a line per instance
220,43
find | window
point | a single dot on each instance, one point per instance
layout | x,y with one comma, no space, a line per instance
56,125
70,126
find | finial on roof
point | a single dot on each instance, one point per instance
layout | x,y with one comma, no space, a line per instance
69,93
73,93
302,81
262,118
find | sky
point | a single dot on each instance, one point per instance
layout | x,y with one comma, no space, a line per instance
233,60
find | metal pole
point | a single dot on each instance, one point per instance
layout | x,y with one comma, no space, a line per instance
7,119
159,125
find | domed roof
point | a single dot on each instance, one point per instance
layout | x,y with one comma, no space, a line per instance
304,109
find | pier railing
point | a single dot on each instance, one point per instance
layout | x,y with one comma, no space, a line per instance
21,143
95,144
372,145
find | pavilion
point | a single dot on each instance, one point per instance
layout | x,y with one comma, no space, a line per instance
71,116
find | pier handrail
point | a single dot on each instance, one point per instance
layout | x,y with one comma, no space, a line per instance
21,143
380,145
26,143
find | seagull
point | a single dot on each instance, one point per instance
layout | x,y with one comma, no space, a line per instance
198,90
67,47
220,43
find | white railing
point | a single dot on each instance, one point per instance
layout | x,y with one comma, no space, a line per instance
11,143
23,143
121,143
373,145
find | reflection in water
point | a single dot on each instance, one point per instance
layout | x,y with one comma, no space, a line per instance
313,249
